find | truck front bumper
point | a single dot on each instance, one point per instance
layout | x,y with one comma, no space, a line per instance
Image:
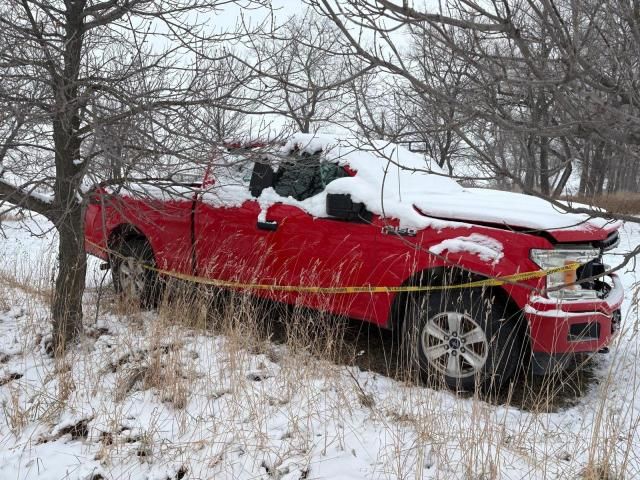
563,329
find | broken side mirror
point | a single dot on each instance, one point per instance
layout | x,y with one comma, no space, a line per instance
261,178
340,205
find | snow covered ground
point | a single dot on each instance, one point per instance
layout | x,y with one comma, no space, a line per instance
145,397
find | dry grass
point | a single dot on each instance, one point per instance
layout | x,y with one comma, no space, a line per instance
11,217
218,349
621,203
43,292
314,344
223,365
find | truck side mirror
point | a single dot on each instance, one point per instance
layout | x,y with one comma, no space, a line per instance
261,178
340,205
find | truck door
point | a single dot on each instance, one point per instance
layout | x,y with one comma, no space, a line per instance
316,251
228,244
170,224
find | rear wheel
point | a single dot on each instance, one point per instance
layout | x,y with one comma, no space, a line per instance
134,279
465,338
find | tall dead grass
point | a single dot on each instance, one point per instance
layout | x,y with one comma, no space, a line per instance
309,346
204,346
621,203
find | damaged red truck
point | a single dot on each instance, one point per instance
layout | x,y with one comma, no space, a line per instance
332,212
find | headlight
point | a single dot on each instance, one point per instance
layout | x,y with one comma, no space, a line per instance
548,259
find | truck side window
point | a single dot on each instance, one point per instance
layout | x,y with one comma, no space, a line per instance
299,178
330,172
305,175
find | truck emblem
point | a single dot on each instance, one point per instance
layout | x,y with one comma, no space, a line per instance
403,232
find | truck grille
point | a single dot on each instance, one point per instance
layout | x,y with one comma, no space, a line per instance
608,243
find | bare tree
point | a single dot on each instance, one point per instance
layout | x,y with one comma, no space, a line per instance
84,80
428,122
552,78
305,70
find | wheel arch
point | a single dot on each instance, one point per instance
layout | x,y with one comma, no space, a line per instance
436,276
118,239
125,232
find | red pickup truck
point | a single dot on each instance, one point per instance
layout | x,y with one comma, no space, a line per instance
326,212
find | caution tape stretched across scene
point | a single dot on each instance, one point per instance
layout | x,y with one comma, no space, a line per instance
490,282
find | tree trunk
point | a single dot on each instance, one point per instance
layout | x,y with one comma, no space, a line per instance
530,173
585,164
632,178
564,178
69,286
616,170
544,166
597,170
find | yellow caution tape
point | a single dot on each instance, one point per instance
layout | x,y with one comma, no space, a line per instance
490,282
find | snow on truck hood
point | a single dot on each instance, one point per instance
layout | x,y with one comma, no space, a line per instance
514,210
392,181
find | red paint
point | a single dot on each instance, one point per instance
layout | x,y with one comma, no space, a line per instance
329,252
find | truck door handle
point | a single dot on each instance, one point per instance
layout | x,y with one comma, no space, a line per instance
271,226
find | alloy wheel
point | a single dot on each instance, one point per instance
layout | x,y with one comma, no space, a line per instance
132,278
455,344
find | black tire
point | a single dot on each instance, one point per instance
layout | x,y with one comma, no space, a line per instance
482,353
132,279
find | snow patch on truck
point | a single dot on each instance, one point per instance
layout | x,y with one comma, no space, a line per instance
386,174
487,248
387,177
393,182
315,206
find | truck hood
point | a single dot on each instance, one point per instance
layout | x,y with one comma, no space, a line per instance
515,210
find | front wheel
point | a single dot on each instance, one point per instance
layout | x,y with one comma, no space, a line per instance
466,338
134,277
